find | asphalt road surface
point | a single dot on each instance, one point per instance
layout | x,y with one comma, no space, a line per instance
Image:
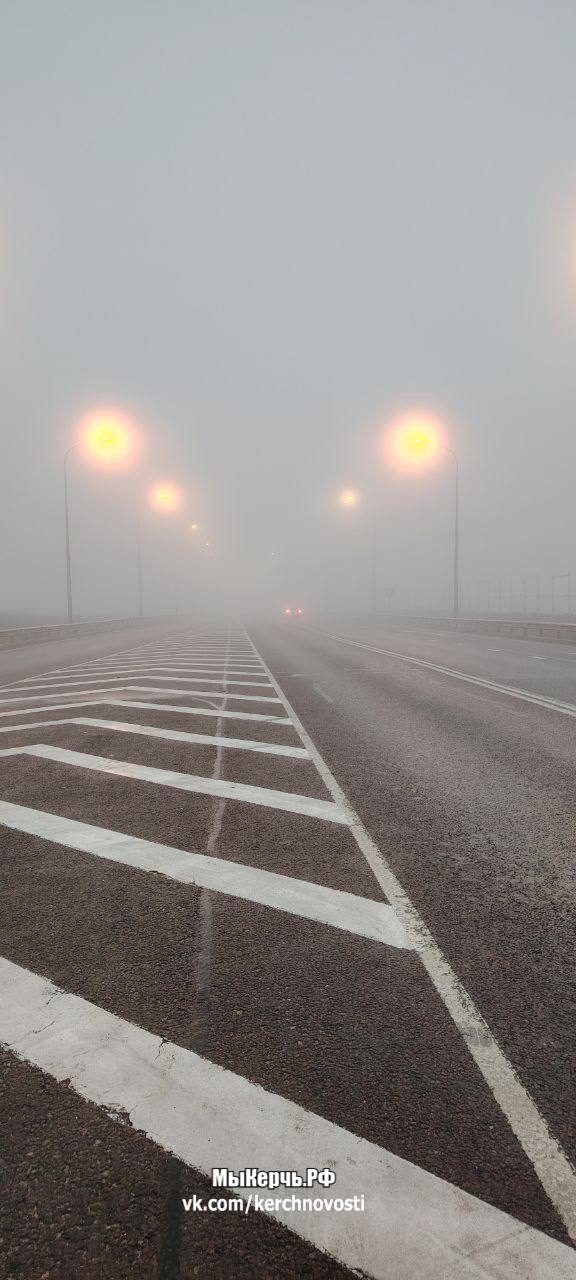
296,896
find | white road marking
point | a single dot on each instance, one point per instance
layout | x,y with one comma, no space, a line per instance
117,669
289,801
198,711
74,693
143,688
540,700
413,1224
148,706
325,696
204,693
538,657
167,735
154,674
347,911
549,1161
204,927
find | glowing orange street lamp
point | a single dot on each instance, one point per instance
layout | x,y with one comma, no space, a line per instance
415,440
105,436
108,437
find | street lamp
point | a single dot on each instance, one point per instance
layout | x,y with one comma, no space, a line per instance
106,437
350,499
165,498
416,440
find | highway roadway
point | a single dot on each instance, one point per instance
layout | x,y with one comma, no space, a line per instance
290,895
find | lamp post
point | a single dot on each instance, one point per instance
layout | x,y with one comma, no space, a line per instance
108,437
416,439
67,524
139,565
456,562
350,498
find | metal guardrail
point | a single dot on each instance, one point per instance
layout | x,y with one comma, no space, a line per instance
12,636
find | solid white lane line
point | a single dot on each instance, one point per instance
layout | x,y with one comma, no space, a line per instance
540,700
288,801
549,1161
168,735
413,1224
362,916
148,706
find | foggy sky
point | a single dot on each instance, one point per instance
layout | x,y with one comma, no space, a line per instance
262,229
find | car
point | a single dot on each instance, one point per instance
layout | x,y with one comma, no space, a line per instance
292,611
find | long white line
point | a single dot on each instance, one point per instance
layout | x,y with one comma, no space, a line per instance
143,688
75,693
210,1117
148,706
289,801
544,1152
347,911
206,693
165,666
201,711
167,735
539,700
151,673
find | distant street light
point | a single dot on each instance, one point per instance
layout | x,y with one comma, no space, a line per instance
416,440
104,436
350,499
165,497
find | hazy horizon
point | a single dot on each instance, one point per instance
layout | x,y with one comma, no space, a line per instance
262,232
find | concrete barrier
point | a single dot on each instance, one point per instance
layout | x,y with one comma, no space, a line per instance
12,636
521,628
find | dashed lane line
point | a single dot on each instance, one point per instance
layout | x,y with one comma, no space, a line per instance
548,1159
364,917
288,801
167,735
413,1223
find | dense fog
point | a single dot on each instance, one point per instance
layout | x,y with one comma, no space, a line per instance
262,232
